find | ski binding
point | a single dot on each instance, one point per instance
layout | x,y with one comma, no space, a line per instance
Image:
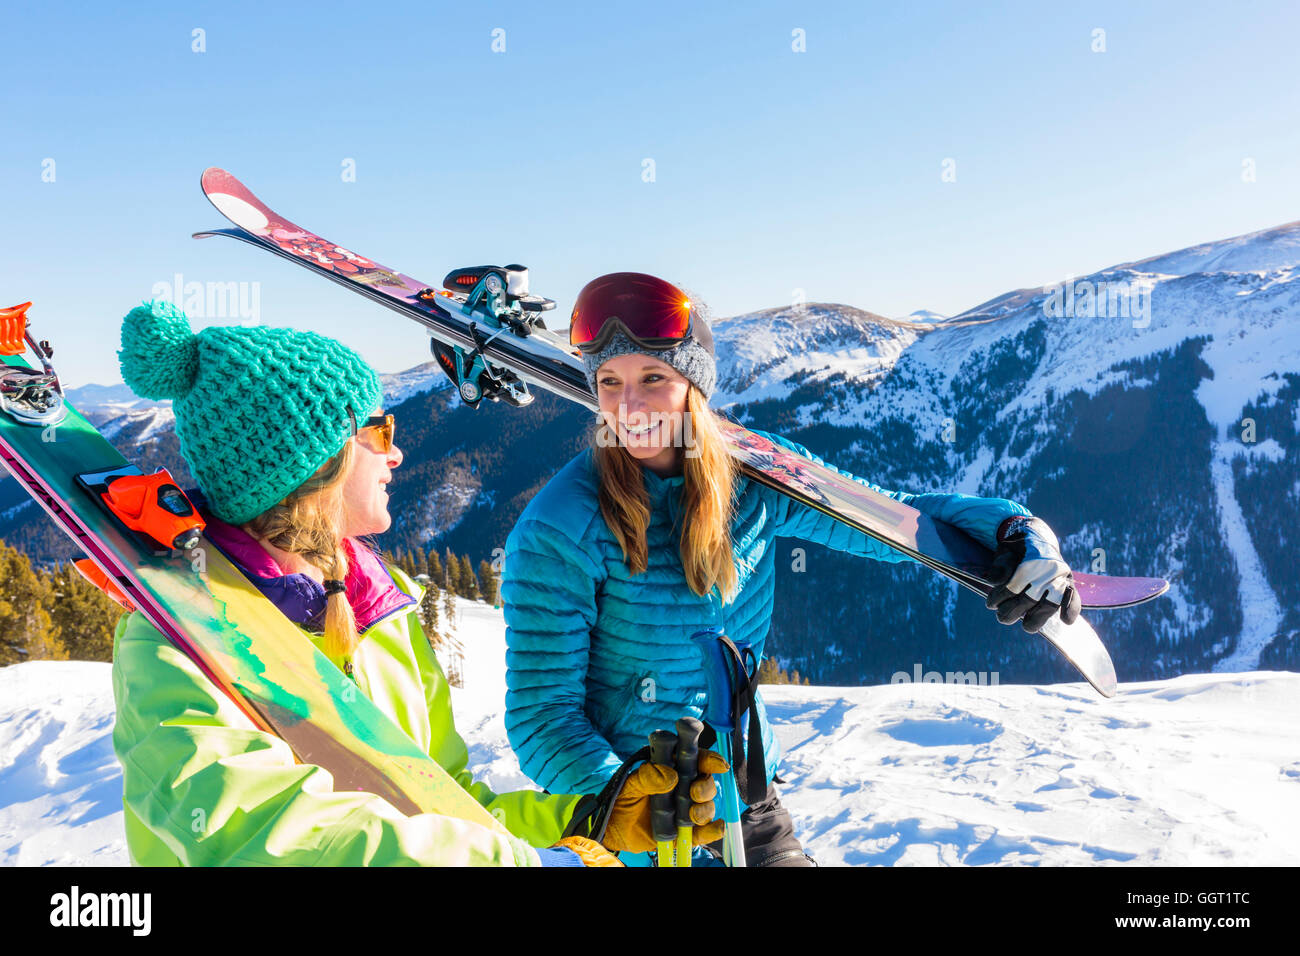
498,295
26,395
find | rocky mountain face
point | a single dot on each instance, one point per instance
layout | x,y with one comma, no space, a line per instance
1149,412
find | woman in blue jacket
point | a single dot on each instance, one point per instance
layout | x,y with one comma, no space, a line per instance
652,534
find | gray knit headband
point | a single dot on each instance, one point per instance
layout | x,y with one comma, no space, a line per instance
690,358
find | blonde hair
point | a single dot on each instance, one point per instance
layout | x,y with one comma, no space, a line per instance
309,523
707,507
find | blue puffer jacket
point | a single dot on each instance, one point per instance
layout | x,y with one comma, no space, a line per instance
596,659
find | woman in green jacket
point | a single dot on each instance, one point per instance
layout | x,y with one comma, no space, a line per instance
284,433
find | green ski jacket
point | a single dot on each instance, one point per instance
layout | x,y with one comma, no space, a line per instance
202,786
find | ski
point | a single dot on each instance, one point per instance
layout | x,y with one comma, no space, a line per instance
143,544
489,336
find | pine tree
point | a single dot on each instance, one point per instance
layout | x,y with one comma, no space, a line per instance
436,574
467,579
429,611
449,610
450,653
453,572
26,630
83,616
428,600
488,584
769,672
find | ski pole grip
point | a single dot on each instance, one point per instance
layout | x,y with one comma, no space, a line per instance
662,821
688,765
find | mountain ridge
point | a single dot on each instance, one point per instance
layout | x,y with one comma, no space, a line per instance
1155,426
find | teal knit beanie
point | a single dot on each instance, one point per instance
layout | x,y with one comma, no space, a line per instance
258,410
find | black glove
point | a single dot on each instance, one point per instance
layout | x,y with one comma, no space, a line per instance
1033,581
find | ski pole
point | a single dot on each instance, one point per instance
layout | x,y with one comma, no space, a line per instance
662,820
733,847
729,698
688,765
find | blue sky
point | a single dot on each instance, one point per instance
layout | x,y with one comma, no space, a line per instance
774,170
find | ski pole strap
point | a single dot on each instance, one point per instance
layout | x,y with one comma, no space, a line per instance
747,765
591,815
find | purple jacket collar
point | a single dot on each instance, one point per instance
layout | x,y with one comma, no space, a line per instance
371,590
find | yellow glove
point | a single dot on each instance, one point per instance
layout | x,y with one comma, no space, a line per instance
591,852
629,826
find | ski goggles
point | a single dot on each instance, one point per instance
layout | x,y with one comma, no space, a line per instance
383,426
654,314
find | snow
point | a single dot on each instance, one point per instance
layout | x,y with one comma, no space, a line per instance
1262,617
1265,250
60,784
760,353
1197,770
152,420
399,386
9,513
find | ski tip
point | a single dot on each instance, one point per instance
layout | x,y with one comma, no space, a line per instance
1103,592
212,177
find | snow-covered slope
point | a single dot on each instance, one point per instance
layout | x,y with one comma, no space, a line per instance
766,355
399,386
146,422
1267,250
1198,770
60,783
117,404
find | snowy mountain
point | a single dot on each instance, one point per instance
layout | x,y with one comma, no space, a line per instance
117,404
101,403
1197,770
1269,250
924,317
769,355
1150,417
401,386
1149,412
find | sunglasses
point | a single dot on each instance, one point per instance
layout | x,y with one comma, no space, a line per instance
382,425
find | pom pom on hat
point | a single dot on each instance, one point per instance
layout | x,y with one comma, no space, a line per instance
160,352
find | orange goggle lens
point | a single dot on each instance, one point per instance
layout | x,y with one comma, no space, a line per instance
656,313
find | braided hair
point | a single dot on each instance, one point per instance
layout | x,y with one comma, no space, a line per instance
309,523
